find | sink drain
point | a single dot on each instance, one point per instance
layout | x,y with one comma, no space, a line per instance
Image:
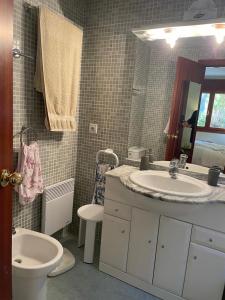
18,260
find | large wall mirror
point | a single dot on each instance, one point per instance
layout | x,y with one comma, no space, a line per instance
178,102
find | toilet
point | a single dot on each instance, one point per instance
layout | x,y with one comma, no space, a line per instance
34,255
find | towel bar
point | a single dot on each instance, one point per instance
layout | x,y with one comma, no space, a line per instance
23,131
110,152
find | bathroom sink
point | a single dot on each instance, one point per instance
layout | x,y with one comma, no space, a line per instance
160,181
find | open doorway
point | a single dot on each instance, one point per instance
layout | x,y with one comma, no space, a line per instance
198,126
209,145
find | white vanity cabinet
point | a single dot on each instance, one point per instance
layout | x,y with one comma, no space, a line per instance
115,240
172,253
173,257
142,246
205,277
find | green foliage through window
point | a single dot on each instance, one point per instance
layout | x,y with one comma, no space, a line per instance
203,109
218,113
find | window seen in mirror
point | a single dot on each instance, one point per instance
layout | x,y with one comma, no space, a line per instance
218,112
203,109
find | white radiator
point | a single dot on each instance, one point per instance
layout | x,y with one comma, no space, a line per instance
57,206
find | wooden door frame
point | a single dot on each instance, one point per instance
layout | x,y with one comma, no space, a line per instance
177,94
212,62
185,70
6,142
206,63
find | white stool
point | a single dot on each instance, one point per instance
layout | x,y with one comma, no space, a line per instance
89,215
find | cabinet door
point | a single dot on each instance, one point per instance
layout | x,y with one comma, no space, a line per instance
171,256
142,247
205,277
114,243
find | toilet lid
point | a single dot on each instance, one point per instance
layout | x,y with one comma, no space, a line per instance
91,212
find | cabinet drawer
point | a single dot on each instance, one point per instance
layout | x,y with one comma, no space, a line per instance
209,238
117,209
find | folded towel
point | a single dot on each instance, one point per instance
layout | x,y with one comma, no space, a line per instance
99,191
29,166
58,69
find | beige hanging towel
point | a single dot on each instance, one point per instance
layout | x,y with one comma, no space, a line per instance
58,69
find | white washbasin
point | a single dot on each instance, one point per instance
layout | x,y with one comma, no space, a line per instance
160,181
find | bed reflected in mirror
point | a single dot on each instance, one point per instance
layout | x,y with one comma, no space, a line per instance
202,129
178,101
209,145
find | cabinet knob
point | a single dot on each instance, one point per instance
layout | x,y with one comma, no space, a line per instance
195,257
123,231
149,241
210,240
162,246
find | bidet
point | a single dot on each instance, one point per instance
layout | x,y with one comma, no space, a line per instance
34,255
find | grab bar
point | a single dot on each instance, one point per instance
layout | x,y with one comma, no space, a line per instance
110,152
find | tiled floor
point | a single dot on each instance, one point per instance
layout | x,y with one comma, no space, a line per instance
85,282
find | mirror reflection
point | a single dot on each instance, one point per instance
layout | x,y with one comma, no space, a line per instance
178,102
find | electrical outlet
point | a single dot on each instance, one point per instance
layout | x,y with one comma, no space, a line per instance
93,128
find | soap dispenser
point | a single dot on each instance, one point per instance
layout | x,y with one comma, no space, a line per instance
151,159
144,165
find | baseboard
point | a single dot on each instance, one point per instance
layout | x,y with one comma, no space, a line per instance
147,287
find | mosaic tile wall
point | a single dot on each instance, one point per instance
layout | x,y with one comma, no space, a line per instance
57,150
141,70
108,70
106,88
161,78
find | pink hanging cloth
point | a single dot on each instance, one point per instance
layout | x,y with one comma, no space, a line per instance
29,165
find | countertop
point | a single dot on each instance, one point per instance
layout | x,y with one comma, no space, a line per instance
123,172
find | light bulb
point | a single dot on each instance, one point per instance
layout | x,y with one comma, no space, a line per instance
171,37
219,33
171,40
219,37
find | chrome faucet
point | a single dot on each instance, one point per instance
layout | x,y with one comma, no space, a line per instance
173,168
182,161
